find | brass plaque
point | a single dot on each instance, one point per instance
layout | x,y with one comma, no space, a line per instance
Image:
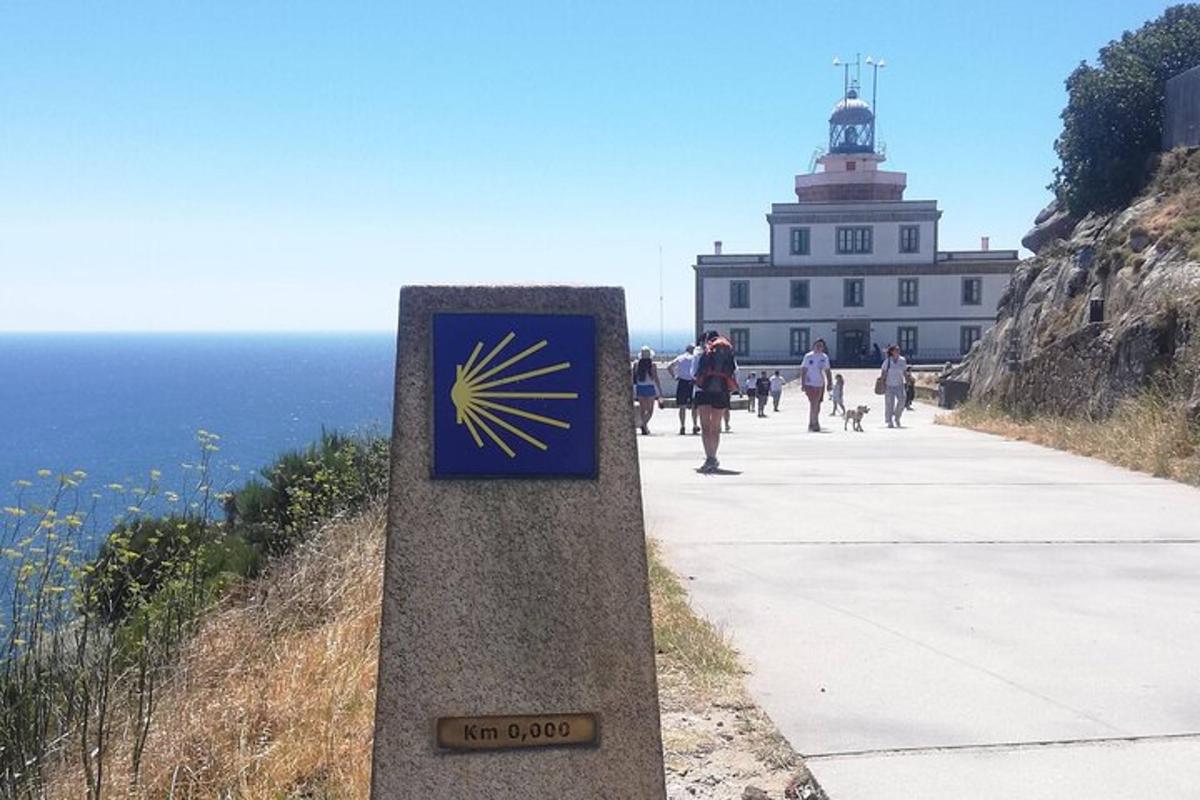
527,730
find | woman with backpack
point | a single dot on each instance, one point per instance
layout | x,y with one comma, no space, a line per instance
714,373
646,387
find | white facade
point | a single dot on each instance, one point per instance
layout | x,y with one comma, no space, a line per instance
854,263
940,315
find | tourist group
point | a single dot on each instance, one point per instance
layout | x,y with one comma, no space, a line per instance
707,376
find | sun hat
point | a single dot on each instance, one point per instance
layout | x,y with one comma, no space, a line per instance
646,352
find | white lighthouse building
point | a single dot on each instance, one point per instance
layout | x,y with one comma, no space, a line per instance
853,262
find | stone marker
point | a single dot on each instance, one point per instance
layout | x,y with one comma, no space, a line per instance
516,656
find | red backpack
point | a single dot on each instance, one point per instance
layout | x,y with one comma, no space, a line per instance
717,363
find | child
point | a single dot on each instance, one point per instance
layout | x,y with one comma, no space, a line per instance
762,389
838,395
750,393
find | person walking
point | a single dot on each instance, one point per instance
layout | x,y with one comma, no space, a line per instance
910,388
714,377
776,389
838,395
749,389
762,390
815,377
892,373
682,369
646,387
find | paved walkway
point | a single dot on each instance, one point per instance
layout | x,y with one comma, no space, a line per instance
936,613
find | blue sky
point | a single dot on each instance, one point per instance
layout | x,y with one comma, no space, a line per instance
272,166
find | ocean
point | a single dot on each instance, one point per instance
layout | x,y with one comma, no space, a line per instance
120,405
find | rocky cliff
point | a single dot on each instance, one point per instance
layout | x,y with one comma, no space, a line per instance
1107,305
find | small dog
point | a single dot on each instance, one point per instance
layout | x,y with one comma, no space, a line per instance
855,415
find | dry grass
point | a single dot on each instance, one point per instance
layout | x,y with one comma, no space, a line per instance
1176,221
716,740
694,658
1148,433
274,696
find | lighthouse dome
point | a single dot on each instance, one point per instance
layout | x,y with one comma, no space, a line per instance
852,110
852,125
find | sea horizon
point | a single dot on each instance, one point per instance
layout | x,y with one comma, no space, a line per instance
117,404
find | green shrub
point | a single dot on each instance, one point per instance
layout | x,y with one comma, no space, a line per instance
337,474
79,629
1113,121
135,560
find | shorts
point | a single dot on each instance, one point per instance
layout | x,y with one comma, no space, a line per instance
716,399
645,390
683,393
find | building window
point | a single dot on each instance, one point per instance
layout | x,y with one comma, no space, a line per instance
799,294
972,291
798,344
740,339
799,241
910,239
1096,309
739,294
908,291
906,340
854,240
967,336
852,292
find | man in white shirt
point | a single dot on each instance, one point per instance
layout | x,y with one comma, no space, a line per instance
776,389
893,381
815,377
682,369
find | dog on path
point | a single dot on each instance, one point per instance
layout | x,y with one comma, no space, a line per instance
855,416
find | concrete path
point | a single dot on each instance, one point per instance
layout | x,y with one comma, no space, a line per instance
936,613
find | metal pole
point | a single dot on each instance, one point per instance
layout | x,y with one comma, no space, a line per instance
874,105
662,332
874,85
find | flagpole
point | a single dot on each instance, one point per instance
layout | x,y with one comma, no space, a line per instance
662,331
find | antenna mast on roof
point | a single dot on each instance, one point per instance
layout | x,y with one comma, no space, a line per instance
847,83
876,65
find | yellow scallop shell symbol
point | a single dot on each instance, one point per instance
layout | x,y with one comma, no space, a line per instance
478,388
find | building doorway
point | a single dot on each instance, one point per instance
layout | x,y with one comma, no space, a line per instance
853,342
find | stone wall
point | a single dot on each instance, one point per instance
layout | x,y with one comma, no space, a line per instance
1181,116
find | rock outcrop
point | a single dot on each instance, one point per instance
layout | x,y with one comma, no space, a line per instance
1107,304
1050,225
